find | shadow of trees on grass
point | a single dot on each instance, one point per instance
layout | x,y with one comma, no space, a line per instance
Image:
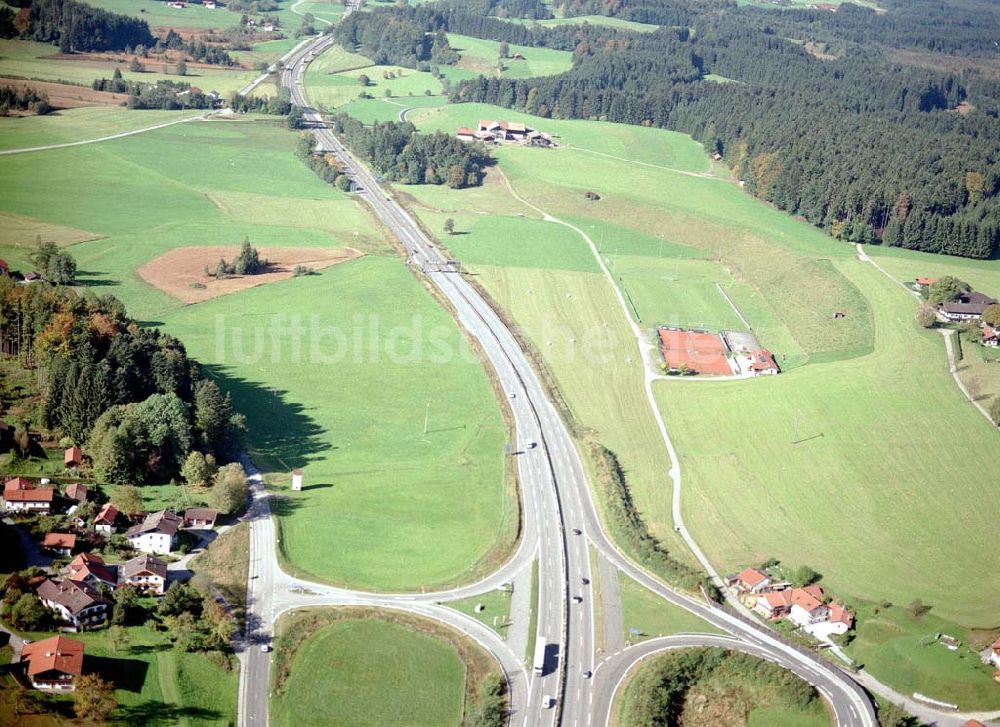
161,713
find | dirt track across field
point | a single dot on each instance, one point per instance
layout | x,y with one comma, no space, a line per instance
180,273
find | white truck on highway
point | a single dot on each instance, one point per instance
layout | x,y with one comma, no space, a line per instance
539,657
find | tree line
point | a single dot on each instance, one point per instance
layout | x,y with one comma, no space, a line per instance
401,154
78,27
869,150
25,99
159,95
129,394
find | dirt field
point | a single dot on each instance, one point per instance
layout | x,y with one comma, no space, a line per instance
176,271
701,352
64,96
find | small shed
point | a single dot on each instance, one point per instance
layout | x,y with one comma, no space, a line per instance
297,480
72,457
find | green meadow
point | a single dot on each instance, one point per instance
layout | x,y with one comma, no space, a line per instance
389,505
26,59
653,616
480,56
333,90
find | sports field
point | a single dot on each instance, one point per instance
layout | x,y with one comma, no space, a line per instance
370,672
388,506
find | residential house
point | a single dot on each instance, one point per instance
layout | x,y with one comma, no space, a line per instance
79,604
72,457
994,656
157,533
991,336
53,663
38,499
17,483
105,520
774,604
808,607
925,282
751,581
145,573
969,306
61,543
762,363
77,493
197,518
841,620
465,134
91,568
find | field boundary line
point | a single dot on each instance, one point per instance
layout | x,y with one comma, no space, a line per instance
121,135
699,175
735,309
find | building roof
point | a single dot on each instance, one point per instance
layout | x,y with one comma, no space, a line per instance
752,577
77,492
840,614
18,483
200,513
59,540
996,645
762,360
969,302
144,564
108,514
463,131
39,494
72,454
776,599
926,281
973,723
74,596
164,521
57,653
90,564
806,598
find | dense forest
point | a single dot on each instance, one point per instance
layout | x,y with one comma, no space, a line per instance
399,153
867,148
78,27
129,394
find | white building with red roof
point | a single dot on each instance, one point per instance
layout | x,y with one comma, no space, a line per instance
774,604
808,607
751,580
53,663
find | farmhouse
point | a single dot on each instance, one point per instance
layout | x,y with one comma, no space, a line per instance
750,581
105,520
969,306
145,573
33,500
196,518
79,604
465,134
157,533
61,543
499,131
77,492
763,363
91,568
72,457
53,663
17,483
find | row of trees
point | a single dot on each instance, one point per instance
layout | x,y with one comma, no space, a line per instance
26,99
168,95
869,150
401,154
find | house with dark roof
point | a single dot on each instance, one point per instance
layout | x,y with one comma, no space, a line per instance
91,568
968,306
157,533
53,663
77,493
79,604
61,543
145,573
196,518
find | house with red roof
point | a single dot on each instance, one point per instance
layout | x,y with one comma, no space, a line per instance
808,607
36,499
762,363
72,457
77,492
53,663
61,543
91,568
750,580
466,134
774,604
105,520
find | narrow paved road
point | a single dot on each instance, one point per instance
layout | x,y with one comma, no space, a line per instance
110,137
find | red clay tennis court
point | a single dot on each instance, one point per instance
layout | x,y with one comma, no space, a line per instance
701,352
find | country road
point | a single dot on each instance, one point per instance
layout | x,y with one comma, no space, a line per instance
560,515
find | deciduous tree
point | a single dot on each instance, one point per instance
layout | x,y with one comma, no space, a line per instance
94,698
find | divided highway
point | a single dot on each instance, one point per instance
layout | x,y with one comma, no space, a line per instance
561,522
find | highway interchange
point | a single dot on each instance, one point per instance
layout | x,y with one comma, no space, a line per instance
561,527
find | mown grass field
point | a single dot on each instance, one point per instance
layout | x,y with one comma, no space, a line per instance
333,90
889,463
891,641
26,59
652,616
79,125
730,695
481,56
359,666
158,15
388,506
597,20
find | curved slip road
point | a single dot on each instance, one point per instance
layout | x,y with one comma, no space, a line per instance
557,503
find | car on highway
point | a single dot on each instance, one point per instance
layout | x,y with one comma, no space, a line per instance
585,581
512,395
587,674
548,702
577,531
577,599
532,444
265,648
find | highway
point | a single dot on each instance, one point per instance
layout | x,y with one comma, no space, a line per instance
560,522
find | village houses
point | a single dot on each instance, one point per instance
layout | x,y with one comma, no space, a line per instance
105,520
90,568
79,604
145,573
156,534
806,607
53,663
